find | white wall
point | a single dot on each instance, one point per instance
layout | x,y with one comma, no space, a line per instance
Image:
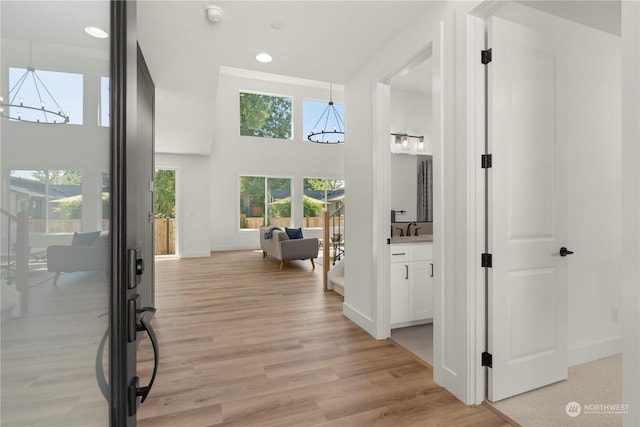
588,120
411,112
234,155
631,210
192,202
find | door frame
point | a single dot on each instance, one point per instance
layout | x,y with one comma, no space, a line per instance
121,23
631,210
383,112
431,50
631,198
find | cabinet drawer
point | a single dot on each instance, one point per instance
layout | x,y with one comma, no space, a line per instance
421,251
399,253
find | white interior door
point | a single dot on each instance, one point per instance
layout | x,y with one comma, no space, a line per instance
528,214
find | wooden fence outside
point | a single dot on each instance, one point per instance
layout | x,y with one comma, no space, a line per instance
165,236
60,225
165,231
309,222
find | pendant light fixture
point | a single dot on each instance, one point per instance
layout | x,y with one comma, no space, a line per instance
330,123
29,85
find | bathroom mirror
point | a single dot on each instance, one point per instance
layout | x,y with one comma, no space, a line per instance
412,114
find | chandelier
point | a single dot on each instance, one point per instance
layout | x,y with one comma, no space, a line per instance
332,125
31,86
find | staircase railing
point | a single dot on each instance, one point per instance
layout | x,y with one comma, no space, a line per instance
333,241
18,263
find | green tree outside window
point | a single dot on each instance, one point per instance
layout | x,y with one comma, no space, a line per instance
265,116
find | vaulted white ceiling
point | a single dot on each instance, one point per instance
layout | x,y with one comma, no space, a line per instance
320,40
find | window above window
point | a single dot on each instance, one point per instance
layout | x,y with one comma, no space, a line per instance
265,116
65,88
318,116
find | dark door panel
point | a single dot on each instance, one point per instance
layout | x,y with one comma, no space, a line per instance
132,212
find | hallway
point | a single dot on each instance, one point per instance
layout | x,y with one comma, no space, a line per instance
242,343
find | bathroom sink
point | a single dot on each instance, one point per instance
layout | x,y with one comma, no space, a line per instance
425,238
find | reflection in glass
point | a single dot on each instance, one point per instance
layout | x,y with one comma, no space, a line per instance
54,224
60,92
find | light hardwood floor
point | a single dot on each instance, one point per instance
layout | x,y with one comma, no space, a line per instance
244,344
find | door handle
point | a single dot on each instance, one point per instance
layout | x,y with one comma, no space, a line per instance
564,251
146,326
135,390
431,270
406,271
100,377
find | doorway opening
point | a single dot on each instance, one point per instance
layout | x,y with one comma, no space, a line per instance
410,129
165,213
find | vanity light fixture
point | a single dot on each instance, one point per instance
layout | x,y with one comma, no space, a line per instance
406,143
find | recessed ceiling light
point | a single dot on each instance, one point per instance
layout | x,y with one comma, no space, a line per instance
263,57
96,32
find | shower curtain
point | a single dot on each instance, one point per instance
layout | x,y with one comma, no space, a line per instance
425,190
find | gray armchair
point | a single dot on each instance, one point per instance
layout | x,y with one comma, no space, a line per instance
87,252
281,247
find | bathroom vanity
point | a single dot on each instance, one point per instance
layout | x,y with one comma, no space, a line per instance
411,280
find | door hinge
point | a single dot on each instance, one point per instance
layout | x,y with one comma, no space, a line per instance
487,359
486,56
487,260
487,161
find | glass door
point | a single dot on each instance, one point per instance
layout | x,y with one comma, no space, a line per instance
55,224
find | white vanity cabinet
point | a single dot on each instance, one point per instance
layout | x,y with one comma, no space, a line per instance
399,284
411,284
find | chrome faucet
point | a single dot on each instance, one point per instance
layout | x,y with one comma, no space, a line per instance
409,228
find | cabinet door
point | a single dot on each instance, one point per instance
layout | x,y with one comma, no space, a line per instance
420,290
399,292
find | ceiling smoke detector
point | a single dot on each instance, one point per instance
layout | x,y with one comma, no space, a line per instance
214,13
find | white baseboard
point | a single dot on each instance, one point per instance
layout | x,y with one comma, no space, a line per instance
365,322
195,254
594,351
219,248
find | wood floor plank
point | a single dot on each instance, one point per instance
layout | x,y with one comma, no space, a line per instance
244,344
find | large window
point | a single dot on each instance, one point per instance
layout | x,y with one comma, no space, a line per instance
51,198
63,90
265,116
265,201
321,194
